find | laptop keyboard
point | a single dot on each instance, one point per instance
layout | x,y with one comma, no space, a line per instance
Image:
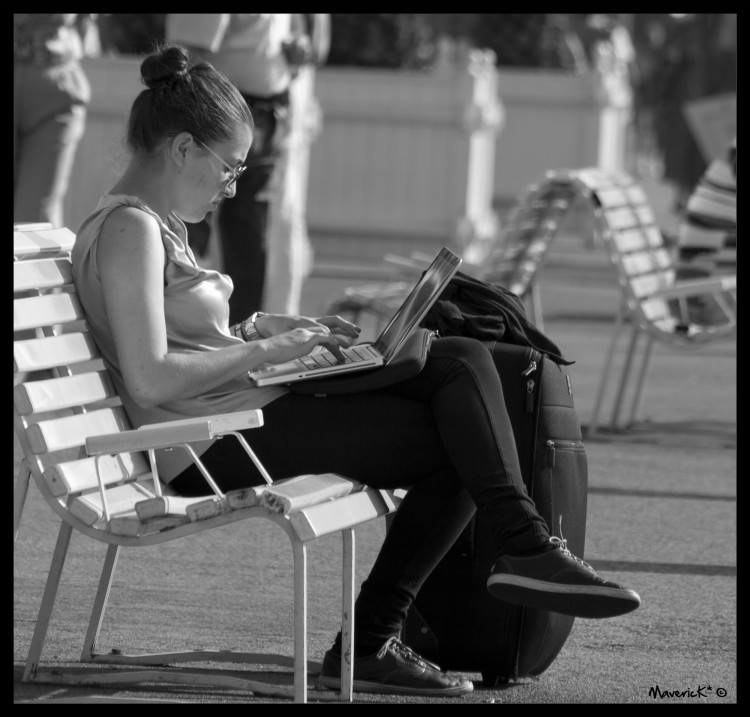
324,358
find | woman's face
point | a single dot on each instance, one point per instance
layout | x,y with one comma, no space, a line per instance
212,173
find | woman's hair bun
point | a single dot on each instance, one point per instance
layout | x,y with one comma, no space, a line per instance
167,65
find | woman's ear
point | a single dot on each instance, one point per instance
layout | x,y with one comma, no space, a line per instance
179,147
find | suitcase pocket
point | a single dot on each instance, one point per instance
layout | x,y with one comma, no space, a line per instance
561,485
561,490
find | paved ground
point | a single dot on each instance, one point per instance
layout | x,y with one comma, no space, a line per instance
662,518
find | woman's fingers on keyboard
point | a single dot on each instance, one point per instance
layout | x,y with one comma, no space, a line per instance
338,325
332,345
344,341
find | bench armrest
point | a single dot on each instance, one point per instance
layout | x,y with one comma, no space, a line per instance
696,287
170,433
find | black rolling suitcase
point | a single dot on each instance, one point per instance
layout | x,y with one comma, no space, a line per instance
455,621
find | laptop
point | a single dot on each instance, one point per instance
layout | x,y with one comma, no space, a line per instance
322,362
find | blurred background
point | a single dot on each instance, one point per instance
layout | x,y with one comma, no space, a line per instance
424,129
415,131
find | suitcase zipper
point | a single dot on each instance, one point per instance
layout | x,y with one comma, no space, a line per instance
529,386
529,423
553,445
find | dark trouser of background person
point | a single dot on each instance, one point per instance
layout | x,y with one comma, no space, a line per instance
243,219
242,225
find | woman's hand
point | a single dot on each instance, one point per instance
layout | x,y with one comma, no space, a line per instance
290,337
301,341
273,324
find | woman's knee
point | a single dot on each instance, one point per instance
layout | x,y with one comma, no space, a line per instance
463,351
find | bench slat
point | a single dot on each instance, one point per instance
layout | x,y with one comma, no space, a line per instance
654,236
645,215
335,515
621,218
43,242
194,508
630,240
646,285
58,393
52,351
58,434
79,475
41,274
31,226
612,197
657,309
642,262
36,311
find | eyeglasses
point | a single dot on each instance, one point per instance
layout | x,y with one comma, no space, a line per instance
236,172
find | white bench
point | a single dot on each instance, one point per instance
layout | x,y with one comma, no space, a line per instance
98,475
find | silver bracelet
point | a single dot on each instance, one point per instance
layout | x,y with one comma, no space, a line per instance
248,328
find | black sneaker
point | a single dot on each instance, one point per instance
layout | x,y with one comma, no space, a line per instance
558,581
395,670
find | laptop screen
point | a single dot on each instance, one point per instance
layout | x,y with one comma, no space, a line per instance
417,303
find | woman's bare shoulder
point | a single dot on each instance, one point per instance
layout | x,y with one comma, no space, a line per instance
129,219
127,228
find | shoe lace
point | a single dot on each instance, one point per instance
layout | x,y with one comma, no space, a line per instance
562,544
406,652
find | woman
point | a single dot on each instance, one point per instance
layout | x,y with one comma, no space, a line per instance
161,323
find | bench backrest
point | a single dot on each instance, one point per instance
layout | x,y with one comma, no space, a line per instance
528,234
63,393
634,242
39,240
624,224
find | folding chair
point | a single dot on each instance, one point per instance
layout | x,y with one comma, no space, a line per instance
109,490
624,225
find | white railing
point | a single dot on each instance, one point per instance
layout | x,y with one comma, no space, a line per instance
403,160
404,154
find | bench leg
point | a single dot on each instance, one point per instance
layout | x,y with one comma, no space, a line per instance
20,490
300,621
625,376
603,382
100,603
642,374
48,601
347,623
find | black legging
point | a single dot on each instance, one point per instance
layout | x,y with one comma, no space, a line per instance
445,433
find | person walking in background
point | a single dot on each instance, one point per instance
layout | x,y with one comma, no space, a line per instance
261,53
50,96
290,254
695,57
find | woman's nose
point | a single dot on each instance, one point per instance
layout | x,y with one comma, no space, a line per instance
230,191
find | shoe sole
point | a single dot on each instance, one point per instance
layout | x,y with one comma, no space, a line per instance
575,600
334,683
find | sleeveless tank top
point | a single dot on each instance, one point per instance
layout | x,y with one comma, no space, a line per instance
196,312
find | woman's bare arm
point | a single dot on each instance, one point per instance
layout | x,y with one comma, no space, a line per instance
131,261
